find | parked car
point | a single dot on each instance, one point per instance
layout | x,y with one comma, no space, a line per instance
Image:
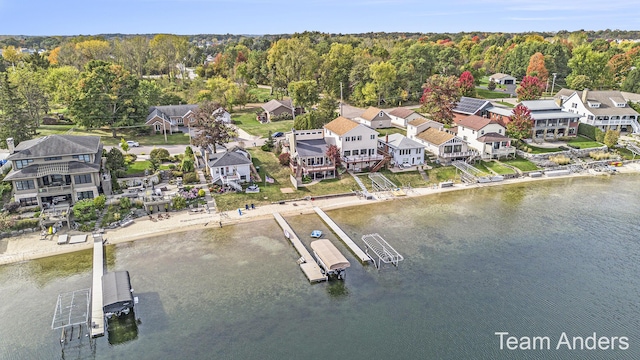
133,143
277,134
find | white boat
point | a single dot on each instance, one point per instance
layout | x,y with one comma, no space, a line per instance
316,234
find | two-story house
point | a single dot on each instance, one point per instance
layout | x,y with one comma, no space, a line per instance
401,149
230,168
487,136
55,168
549,121
308,154
358,143
374,118
168,118
606,110
467,106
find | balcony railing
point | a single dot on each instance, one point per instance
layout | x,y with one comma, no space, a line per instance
505,150
55,189
361,158
459,154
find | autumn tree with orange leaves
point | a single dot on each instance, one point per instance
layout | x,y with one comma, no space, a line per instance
537,68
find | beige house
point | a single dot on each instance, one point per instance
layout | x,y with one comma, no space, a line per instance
55,169
446,146
487,136
402,116
358,143
374,118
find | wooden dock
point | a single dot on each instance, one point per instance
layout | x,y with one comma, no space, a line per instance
361,255
307,263
97,313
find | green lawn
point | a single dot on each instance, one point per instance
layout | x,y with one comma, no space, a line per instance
584,142
261,95
107,138
138,167
487,94
541,150
246,120
444,173
498,168
521,163
408,178
389,131
504,103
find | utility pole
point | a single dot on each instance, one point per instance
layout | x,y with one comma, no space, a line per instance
553,84
340,98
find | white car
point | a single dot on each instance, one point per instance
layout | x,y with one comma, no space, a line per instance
133,143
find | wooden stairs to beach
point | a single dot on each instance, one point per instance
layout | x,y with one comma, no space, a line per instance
385,160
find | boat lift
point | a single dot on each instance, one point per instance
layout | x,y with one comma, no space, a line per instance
330,259
382,249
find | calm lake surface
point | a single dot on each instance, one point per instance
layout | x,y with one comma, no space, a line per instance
535,259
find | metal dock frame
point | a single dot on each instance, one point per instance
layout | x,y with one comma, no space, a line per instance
97,312
361,255
382,249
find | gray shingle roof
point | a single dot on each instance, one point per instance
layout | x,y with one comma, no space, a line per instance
492,137
399,141
606,99
401,112
539,105
316,147
31,171
227,159
55,145
274,104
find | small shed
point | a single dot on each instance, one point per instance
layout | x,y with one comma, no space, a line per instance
116,293
330,258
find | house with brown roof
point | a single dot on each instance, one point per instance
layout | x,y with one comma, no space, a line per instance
169,118
278,109
446,146
402,116
358,143
374,118
487,136
606,110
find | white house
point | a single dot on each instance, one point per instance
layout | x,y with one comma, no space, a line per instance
446,146
374,118
485,135
308,154
502,79
606,110
402,116
358,143
229,168
402,149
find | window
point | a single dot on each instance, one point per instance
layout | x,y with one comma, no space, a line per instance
359,137
457,148
25,185
23,163
347,153
354,152
85,195
482,132
346,139
574,105
363,152
353,138
499,131
29,201
82,179
53,158
84,157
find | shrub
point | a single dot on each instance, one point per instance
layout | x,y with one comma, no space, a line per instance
99,202
176,173
160,154
188,151
587,130
560,159
172,166
599,155
190,178
284,159
187,165
179,203
12,207
201,193
26,224
36,214
125,203
84,210
87,227
599,135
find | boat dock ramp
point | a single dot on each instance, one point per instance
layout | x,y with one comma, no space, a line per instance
97,312
307,263
360,255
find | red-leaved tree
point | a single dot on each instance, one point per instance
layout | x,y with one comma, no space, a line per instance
530,88
467,85
333,153
537,68
520,123
440,97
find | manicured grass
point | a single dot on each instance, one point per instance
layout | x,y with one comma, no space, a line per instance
246,120
439,174
498,168
541,150
482,167
584,142
138,167
389,131
487,94
504,103
107,138
262,95
408,178
625,153
521,163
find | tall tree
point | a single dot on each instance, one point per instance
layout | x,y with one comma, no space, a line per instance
335,69
631,82
13,121
59,83
223,91
530,88
383,75
520,123
133,53
593,64
291,60
537,68
467,85
439,97
11,55
333,153
107,95
169,51
304,93
30,87
209,130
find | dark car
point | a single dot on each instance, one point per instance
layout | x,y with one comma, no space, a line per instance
277,134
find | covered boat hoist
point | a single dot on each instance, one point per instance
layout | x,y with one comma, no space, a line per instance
329,258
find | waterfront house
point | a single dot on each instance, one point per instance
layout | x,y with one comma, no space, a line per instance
374,118
230,168
54,169
401,149
308,154
606,110
549,120
467,106
446,146
358,143
485,135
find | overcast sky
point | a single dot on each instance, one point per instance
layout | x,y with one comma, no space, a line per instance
74,17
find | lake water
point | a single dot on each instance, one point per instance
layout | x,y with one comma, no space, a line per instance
535,259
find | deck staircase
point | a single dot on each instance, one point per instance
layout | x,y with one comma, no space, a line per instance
365,192
633,148
385,160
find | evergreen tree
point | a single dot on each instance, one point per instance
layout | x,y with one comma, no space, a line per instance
13,119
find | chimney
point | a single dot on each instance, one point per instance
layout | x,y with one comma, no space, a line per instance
584,95
559,102
10,145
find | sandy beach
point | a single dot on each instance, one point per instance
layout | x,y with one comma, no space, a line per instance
30,246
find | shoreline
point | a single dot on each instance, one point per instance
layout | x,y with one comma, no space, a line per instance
29,246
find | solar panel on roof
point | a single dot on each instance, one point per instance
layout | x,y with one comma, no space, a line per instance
469,105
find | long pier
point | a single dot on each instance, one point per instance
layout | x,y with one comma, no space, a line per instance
97,312
307,264
361,255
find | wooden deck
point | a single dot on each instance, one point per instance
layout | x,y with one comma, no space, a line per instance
309,267
97,313
361,255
